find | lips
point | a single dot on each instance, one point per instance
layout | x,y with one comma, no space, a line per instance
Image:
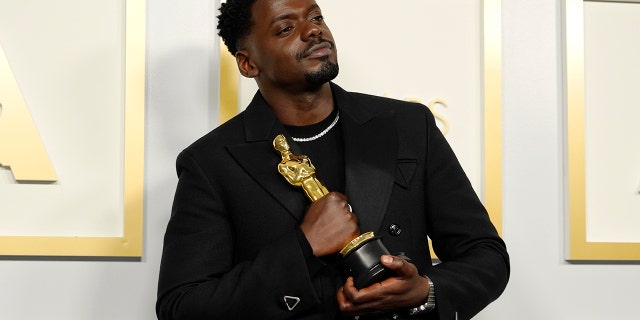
319,50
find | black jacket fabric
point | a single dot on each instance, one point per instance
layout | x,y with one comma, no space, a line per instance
233,248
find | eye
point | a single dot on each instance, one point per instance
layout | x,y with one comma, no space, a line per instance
284,30
319,18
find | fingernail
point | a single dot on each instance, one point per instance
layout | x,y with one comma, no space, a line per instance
387,259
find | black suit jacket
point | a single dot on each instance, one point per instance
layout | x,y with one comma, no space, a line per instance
233,248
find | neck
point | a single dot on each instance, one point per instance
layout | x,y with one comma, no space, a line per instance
300,108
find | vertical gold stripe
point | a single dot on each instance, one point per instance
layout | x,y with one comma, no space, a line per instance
492,103
575,124
229,80
492,51
134,127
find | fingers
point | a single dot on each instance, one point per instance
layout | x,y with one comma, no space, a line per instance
354,302
406,288
399,265
370,306
336,196
343,302
364,296
328,224
340,201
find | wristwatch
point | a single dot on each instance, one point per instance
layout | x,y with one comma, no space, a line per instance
427,306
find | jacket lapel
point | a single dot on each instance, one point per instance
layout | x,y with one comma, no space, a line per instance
370,157
258,158
370,145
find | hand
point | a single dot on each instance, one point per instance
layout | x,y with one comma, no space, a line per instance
405,290
329,225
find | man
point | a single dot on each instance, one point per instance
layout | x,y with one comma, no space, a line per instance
243,243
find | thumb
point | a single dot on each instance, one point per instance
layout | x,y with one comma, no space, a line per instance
401,266
391,262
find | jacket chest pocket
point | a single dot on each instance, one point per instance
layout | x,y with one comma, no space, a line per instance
405,170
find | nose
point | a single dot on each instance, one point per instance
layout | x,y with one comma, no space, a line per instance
313,31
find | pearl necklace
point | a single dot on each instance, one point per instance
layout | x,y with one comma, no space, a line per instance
319,135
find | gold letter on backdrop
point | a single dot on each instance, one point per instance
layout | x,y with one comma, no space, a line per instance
432,106
21,148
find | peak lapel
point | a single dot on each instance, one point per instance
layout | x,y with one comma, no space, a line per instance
258,158
370,159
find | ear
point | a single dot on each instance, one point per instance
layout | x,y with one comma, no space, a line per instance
245,64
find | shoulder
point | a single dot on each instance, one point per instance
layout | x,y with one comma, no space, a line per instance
229,133
404,111
385,103
380,105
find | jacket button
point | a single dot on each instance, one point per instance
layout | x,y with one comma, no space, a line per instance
395,230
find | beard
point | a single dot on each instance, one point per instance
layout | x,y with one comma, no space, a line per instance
327,72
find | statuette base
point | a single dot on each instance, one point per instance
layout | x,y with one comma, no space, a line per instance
362,262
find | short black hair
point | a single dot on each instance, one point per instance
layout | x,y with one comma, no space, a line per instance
235,22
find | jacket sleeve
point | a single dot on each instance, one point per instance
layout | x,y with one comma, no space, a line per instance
474,268
199,278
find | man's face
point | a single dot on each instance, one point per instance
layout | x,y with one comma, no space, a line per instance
290,44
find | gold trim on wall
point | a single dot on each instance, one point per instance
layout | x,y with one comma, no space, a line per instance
492,50
229,81
492,103
578,248
130,244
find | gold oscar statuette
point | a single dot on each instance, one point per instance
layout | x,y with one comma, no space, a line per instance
361,256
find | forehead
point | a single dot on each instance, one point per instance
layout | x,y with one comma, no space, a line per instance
266,12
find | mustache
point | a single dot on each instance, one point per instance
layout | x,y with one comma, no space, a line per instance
309,47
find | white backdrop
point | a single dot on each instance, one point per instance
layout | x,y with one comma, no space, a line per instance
68,61
181,106
612,111
431,52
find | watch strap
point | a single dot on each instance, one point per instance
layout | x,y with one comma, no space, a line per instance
429,305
